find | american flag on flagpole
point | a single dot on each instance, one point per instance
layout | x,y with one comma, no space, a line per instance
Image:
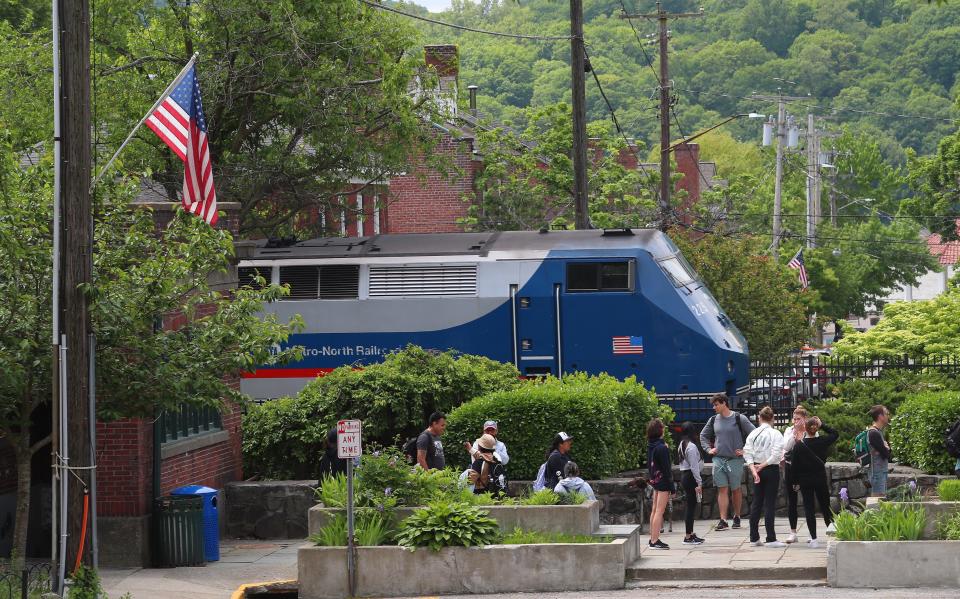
796,263
178,120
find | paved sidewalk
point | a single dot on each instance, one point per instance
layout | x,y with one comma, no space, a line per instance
240,562
728,555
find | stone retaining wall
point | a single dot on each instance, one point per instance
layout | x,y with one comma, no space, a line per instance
893,564
270,509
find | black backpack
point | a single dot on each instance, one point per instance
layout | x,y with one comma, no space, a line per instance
410,450
952,439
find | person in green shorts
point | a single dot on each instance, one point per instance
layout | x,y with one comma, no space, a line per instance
723,438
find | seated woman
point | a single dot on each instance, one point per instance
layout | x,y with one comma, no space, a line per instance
486,473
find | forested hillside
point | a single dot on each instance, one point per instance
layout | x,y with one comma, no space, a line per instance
854,58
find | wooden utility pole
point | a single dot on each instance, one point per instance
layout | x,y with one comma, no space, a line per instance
76,256
666,99
578,83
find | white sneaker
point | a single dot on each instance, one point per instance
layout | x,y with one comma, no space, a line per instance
791,538
775,544
757,543
813,544
832,529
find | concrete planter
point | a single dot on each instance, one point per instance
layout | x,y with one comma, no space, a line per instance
396,571
936,510
893,564
580,519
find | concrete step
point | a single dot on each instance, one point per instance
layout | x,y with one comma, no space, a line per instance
649,570
724,584
617,530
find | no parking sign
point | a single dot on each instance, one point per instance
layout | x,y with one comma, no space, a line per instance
348,439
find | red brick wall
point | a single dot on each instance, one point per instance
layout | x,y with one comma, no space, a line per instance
688,160
432,202
212,466
124,467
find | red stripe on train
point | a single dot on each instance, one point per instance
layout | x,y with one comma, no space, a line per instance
286,373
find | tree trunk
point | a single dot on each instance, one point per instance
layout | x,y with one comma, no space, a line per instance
24,455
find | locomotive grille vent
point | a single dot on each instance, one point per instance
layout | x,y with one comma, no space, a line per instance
321,282
407,281
247,274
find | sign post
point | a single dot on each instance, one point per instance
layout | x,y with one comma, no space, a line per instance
348,448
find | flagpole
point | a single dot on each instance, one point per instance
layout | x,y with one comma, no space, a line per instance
163,96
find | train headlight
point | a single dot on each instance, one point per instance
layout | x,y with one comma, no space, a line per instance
730,366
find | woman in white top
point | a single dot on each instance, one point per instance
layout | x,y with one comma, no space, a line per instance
762,452
794,433
691,465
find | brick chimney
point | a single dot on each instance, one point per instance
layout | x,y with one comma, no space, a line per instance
688,164
445,60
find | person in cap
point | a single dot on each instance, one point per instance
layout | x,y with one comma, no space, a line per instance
487,474
557,458
489,428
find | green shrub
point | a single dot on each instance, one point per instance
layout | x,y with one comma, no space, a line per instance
448,524
530,537
948,529
332,491
916,431
284,438
574,498
86,584
541,497
607,418
889,522
949,490
371,528
847,410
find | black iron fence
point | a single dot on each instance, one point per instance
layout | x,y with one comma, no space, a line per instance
784,383
187,422
29,583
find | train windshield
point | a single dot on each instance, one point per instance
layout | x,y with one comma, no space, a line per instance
679,271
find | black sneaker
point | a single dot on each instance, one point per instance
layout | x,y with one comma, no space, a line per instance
736,522
658,545
721,525
692,540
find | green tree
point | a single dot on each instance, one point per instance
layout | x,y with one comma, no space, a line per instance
139,278
759,295
916,329
298,95
527,179
936,191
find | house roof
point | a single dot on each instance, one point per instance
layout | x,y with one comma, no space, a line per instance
947,253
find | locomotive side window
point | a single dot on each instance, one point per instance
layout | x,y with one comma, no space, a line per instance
677,269
599,276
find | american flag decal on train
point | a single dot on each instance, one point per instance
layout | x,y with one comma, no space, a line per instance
627,345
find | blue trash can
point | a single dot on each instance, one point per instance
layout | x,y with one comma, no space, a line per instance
211,524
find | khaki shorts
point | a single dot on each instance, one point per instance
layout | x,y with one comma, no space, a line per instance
728,472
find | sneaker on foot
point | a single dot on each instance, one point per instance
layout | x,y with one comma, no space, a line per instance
692,540
774,544
813,544
832,529
721,525
736,522
699,540
757,543
791,538
658,545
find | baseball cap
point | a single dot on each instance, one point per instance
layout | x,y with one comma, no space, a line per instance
490,424
564,436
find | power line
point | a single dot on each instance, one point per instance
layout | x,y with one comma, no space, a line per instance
543,38
829,108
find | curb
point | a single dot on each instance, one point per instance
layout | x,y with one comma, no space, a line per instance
713,575
241,591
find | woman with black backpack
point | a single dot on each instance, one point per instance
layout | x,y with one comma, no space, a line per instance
691,464
810,472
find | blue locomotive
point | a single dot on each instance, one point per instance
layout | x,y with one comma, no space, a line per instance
624,302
